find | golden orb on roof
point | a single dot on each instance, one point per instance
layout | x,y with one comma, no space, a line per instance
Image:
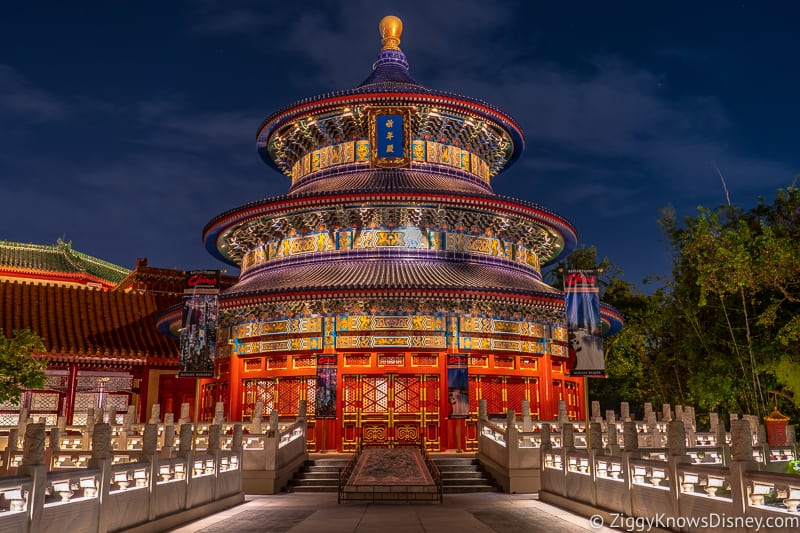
391,28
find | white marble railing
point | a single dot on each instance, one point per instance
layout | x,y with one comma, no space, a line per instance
115,497
672,488
15,492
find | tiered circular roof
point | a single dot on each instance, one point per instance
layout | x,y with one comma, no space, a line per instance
331,118
440,190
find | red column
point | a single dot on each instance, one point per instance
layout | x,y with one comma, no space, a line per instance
549,407
234,389
72,390
144,377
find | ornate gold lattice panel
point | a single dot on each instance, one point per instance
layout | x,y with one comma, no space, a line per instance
277,363
571,395
503,362
375,390
351,389
304,362
407,394
289,395
516,391
424,359
255,390
311,395
430,420
44,401
478,361
357,359
252,365
474,393
398,359
492,392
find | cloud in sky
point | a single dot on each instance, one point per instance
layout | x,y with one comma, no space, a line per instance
21,99
620,117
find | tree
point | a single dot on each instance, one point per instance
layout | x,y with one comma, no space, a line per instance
18,369
734,302
584,258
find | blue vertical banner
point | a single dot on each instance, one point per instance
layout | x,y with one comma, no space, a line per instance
199,323
457,386
326,387
584,328
389,138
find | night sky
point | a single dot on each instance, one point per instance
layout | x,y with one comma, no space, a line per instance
125,127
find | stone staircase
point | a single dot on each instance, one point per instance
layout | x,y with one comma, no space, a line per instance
463,474
318,475
459,475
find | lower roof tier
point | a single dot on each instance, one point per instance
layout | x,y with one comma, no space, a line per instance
390,269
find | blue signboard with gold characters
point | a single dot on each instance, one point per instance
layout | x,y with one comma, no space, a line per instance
389,137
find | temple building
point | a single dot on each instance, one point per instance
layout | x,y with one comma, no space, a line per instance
389,264
98,324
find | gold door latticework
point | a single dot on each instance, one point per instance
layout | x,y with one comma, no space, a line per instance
390,410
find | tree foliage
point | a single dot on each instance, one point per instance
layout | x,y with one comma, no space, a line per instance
736,285
724,333
18,368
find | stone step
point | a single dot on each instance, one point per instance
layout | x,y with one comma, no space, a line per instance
318,477
458,468
459,475
454,461
327,464
463,474
476,480
311,488
321,469
305,482
462,489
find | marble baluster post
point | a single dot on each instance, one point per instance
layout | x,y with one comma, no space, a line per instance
33,466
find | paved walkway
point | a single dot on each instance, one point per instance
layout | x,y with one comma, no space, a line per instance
303,512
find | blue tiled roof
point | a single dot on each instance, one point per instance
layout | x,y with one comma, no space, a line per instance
390,68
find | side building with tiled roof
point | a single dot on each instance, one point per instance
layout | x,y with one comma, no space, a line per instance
57,264
98,323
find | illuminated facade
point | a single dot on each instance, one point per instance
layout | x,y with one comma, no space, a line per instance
389,255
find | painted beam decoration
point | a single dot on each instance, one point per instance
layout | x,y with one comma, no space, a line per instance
584,327
199,323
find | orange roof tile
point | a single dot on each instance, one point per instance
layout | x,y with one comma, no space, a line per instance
89,325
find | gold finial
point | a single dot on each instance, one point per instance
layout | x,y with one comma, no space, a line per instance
391,28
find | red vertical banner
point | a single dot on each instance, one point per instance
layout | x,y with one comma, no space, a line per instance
457,386
584,328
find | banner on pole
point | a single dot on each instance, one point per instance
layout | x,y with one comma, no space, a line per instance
584,328
326,387
199,323
458,386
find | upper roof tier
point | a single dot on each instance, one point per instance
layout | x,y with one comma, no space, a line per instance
389,121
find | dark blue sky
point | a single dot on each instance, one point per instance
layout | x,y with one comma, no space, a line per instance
126,126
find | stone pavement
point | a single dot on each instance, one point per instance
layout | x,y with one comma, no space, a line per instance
304,512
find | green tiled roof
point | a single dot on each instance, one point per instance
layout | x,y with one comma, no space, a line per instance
60,258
